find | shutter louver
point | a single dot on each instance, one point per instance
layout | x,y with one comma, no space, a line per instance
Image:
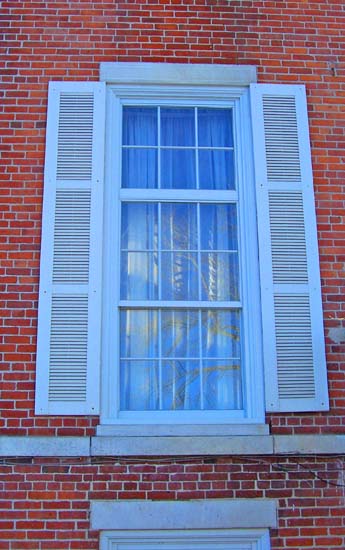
293,338
68,347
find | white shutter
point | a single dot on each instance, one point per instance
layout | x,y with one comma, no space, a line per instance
294,356
69,324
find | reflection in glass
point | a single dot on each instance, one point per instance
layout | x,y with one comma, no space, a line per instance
180,333
222,384
179,276
218,223
139,226
181,385
219,274
139,276
179,226
139,333
220,333
139,385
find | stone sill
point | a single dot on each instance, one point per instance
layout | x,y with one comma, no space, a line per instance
218,445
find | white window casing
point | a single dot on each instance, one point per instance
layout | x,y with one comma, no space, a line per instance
70,319
188,539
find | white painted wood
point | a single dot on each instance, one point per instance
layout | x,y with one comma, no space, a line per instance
294,357
238,100
177,73
68,348
193,514
176,539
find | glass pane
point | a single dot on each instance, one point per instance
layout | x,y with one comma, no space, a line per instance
177,127
139,126
219,274
139,226
139,168
178,169
222,385
179,226
139,385
180,333
216,169
181,385
139,333
215,128
139,274
218,224
220,333
179,276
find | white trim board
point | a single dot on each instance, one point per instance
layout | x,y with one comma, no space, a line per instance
211,539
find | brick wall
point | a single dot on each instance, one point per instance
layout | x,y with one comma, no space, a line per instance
288,41
46,502
48,506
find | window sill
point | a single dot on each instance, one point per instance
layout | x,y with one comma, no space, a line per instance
165,440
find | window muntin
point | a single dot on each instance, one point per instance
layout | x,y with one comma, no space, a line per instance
180,308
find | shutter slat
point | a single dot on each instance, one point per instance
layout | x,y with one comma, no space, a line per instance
293,339
68,348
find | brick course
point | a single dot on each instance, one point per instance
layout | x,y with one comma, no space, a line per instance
49,507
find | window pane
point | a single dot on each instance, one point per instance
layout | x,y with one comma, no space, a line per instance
139,168
179,226
180,333
178,169
215,128
177,127
216,169
179,276
222,385
139,126
220,333
139,226
218,224
139,385
139,333
139,274
219,273
181,385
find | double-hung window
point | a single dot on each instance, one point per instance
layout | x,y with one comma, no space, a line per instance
181,208
180,295
179,275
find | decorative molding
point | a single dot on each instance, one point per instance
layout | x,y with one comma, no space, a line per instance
177,73
192,514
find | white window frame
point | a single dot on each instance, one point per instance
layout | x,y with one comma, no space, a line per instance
253,392
207,539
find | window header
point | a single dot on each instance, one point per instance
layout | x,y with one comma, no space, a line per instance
178,73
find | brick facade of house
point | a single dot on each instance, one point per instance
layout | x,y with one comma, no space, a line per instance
45,501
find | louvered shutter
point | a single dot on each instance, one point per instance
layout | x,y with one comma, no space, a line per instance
293,337
68,347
